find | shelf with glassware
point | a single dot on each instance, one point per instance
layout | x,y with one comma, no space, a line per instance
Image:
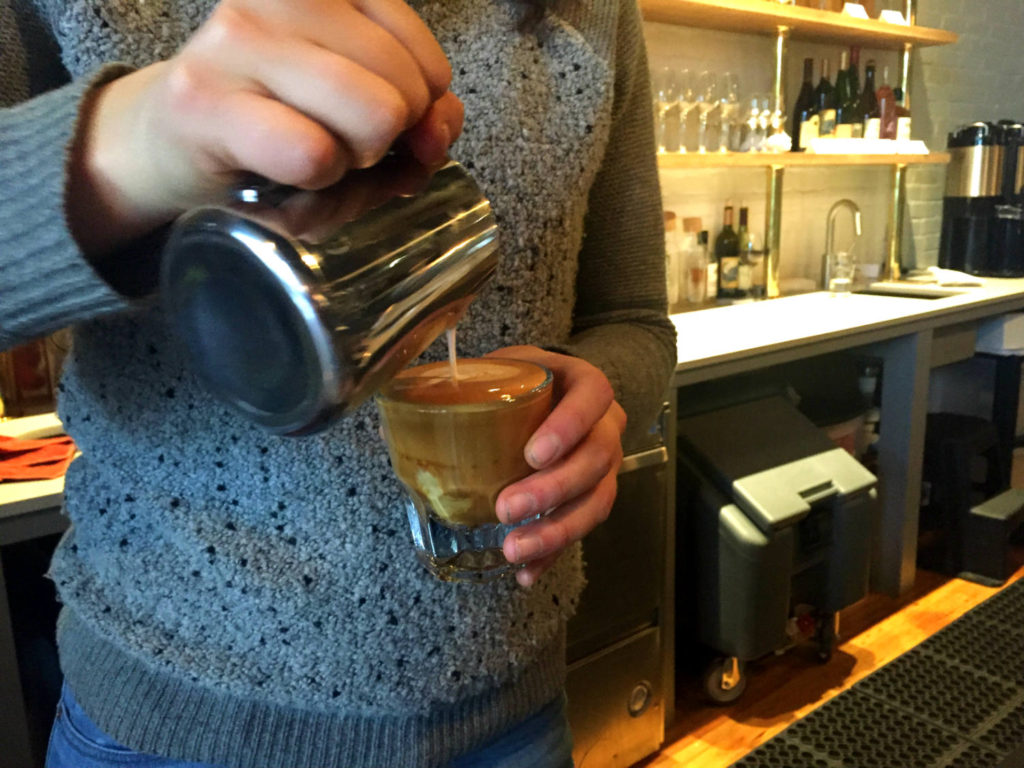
693,160
761,16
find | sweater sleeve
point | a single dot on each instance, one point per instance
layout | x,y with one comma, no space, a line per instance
620,320
45,281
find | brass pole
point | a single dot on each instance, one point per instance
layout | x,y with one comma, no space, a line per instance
779,82
910,12
773,231
899,187
773,211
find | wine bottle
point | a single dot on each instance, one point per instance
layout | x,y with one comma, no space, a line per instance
844,129
745,270
886,108
805,116
825,102
853,73
867,106
711,291
902,117
727,253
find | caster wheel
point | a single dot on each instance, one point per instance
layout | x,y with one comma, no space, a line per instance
827,635
725,680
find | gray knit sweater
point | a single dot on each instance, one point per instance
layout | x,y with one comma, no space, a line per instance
251,600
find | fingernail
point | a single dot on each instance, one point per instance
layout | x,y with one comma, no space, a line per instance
527,547
518,507
544,449
525,578
445,141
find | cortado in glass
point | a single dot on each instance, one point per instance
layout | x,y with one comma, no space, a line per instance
454,444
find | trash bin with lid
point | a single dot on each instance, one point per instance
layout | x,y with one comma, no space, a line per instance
775,527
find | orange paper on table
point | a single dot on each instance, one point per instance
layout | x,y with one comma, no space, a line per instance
42,459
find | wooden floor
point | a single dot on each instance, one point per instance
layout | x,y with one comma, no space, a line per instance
784,688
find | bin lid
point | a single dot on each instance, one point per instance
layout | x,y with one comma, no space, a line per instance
771,460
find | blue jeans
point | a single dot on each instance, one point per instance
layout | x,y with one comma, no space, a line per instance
541,741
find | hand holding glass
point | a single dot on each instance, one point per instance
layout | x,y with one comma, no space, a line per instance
455,443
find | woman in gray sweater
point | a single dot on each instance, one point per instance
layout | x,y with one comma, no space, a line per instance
215,608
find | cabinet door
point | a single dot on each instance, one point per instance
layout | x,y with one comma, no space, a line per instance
616,703
625,562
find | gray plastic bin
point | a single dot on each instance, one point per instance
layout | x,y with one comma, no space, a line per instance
773,516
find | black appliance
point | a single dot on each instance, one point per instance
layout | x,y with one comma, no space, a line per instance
983,208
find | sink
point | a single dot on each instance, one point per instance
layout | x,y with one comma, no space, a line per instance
907,290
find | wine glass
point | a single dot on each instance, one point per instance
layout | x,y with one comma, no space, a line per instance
767,119
730,105
687,102
707,101
666,100
751,128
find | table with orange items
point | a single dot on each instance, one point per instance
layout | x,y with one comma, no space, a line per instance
28,509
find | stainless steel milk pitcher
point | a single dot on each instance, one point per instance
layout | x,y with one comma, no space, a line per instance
294,311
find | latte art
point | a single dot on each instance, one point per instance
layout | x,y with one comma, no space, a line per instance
480,380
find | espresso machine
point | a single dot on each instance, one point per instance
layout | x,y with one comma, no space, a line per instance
983,209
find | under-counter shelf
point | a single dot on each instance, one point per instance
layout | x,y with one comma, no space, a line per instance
762,17
691,160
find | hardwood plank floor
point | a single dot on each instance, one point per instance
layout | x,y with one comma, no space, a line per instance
783,688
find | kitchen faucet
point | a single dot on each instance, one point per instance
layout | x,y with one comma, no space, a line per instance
830,255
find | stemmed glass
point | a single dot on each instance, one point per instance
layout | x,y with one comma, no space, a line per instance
666,108
730,100
707,100
687,101
768,119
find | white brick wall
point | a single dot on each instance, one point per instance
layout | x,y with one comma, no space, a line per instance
979,78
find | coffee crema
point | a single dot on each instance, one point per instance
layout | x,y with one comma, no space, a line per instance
480,380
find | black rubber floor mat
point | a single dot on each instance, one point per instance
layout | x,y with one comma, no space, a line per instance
954,701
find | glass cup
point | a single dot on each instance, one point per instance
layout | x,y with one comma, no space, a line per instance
707,101
840,281
454,445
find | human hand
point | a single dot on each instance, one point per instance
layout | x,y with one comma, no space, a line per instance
576,452
297,92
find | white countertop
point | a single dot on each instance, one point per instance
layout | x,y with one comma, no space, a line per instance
20,496
724,340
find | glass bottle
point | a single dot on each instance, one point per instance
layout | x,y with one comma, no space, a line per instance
902,117
855,119
867,107
727,253
805,116
711,290
886,108
673,260
745,275
844,129
825,102
695,257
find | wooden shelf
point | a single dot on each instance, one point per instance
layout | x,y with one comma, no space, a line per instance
689,161
764,18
